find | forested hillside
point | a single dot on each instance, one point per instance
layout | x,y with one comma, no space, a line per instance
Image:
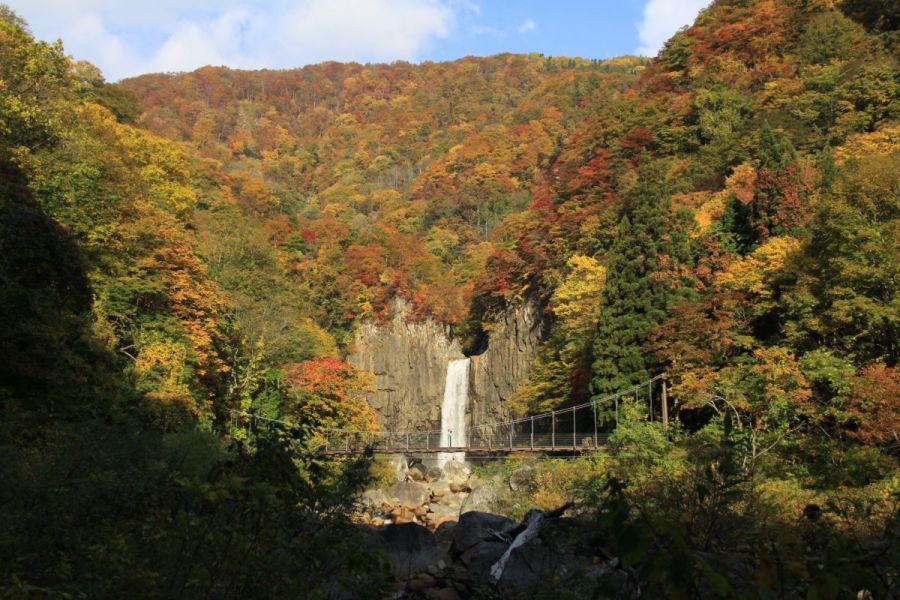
120,360
180,245
384,180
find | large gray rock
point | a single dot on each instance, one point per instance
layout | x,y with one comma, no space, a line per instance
479,559
527,564
441,512
439,488
417,472
455,472
373,500
491,497
412,547
409,494
455,499
473,528
523,480
399,466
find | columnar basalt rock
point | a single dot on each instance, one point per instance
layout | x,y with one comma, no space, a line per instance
507,362
409,360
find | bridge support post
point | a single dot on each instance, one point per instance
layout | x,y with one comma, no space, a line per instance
665,404
574,431
510,436
532,433
552,430
594,407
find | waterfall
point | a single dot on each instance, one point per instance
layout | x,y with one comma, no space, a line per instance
453,411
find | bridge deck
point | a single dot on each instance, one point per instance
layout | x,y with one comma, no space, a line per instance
477,450
581,428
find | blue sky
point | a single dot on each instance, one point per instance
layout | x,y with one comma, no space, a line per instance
129,37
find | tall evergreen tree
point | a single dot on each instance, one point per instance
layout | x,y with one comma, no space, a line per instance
637,290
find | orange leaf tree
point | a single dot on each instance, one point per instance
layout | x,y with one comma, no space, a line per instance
328,392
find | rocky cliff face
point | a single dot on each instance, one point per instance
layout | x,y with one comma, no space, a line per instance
496,373
409,361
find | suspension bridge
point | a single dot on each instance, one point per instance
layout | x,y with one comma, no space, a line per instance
572,429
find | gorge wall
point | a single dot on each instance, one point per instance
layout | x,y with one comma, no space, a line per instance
409,361
499,370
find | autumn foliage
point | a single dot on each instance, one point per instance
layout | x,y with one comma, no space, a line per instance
330,393
180,250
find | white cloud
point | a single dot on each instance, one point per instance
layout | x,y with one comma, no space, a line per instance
526,26
662,18
479,29
139,36
378,30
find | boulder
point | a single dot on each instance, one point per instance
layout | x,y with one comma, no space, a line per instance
409,494
434,473
523,480
439,488
374,501
454,500
411,546
399,466
457,487
417,472
444,533
474,481
480,558
440,511
438,516
401,514
491,497
525,567
474,528
436,523
456,472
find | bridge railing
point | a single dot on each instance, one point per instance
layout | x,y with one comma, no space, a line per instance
572,428
381,441
498,437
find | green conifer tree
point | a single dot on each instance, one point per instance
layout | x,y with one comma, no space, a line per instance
636,294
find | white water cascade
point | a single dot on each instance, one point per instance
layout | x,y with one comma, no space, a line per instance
453,411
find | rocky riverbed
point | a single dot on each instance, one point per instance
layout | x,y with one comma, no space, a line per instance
429,497
442,529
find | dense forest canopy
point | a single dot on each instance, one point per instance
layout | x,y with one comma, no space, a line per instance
178,246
